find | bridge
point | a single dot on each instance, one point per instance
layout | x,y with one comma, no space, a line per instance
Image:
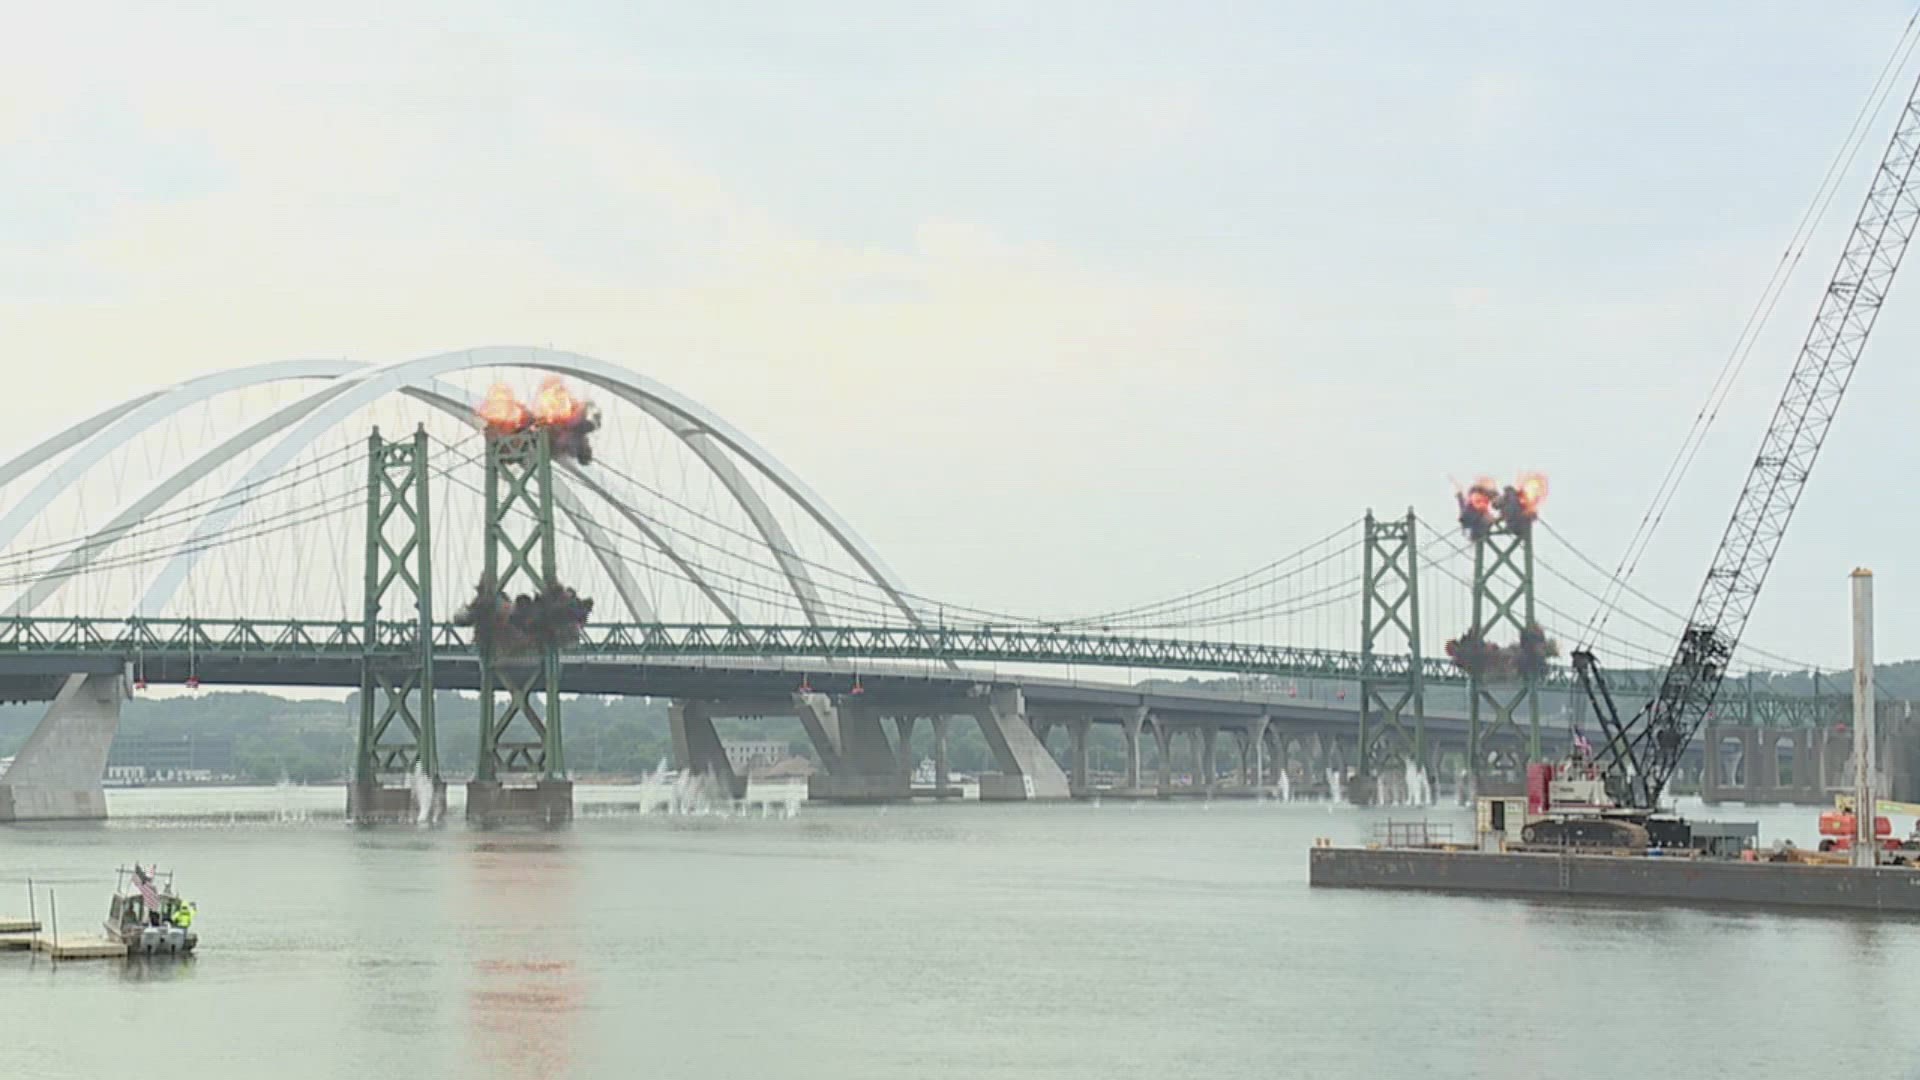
189,534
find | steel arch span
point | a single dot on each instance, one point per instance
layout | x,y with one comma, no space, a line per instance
331,392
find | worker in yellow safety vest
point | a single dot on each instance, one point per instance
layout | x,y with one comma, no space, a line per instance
183,915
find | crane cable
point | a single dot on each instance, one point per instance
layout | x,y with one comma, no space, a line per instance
1810,219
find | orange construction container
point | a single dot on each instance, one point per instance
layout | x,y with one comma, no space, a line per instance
1840,823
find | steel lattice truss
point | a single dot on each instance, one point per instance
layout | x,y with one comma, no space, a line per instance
134,638
1646,749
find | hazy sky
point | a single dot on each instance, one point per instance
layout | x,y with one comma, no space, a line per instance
1061,304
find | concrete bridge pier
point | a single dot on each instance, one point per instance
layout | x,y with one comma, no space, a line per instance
1027,770
697,747
1806,765
1163,738
546,802
1130,723
822,722
1206,770
903,744
56,776
375,803
942,779
1253,752
1278,757
1078,729
864,767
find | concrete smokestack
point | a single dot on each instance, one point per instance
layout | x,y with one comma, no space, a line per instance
1866,851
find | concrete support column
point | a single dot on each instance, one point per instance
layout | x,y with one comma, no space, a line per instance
1078,730
697,747
1710,765
1163,737
1027,770
1208,735
56,776
941,776
869,770
863,741
1806,766
1243,743
1765,778
1130,723
822,721
1257,739
903,732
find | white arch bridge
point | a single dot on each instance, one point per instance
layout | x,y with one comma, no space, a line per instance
235,528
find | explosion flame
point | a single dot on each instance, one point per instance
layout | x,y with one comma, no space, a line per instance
1477,508
502,412
1517,505
568,419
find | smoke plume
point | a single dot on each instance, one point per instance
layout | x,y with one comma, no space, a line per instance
531,622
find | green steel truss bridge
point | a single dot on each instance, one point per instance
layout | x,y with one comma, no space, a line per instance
136,639
261,515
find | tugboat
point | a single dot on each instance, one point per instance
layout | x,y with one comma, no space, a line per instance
148,916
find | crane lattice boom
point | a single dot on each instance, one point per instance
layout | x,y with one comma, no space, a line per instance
1641,755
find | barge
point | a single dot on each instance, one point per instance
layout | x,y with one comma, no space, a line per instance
1702,880
1706,863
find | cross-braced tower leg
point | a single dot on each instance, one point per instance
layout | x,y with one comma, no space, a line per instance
396,774
1498,747
521,775
1393,711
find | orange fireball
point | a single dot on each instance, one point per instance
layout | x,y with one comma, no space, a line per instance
502,411
1533,491
554,406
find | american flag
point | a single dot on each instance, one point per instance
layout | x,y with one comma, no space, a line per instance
144,882
1581,744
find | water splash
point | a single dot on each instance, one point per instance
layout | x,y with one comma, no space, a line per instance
679,793
1336,788
422,786
1285,786
1419,790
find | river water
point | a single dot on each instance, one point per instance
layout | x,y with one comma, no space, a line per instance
1057,941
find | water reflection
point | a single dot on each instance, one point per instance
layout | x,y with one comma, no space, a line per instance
526,988
157,969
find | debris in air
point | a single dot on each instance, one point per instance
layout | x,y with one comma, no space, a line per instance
568,419
552,618
1527,658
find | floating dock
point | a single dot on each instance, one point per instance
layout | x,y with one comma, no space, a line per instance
23,935
1675,879
80,947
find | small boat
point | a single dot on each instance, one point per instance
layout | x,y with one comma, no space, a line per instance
148,916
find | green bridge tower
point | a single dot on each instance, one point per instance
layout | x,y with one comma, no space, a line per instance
1498,747
396,663
521,776
1393,709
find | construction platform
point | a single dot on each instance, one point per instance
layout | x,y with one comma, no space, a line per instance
67,947
1672,879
